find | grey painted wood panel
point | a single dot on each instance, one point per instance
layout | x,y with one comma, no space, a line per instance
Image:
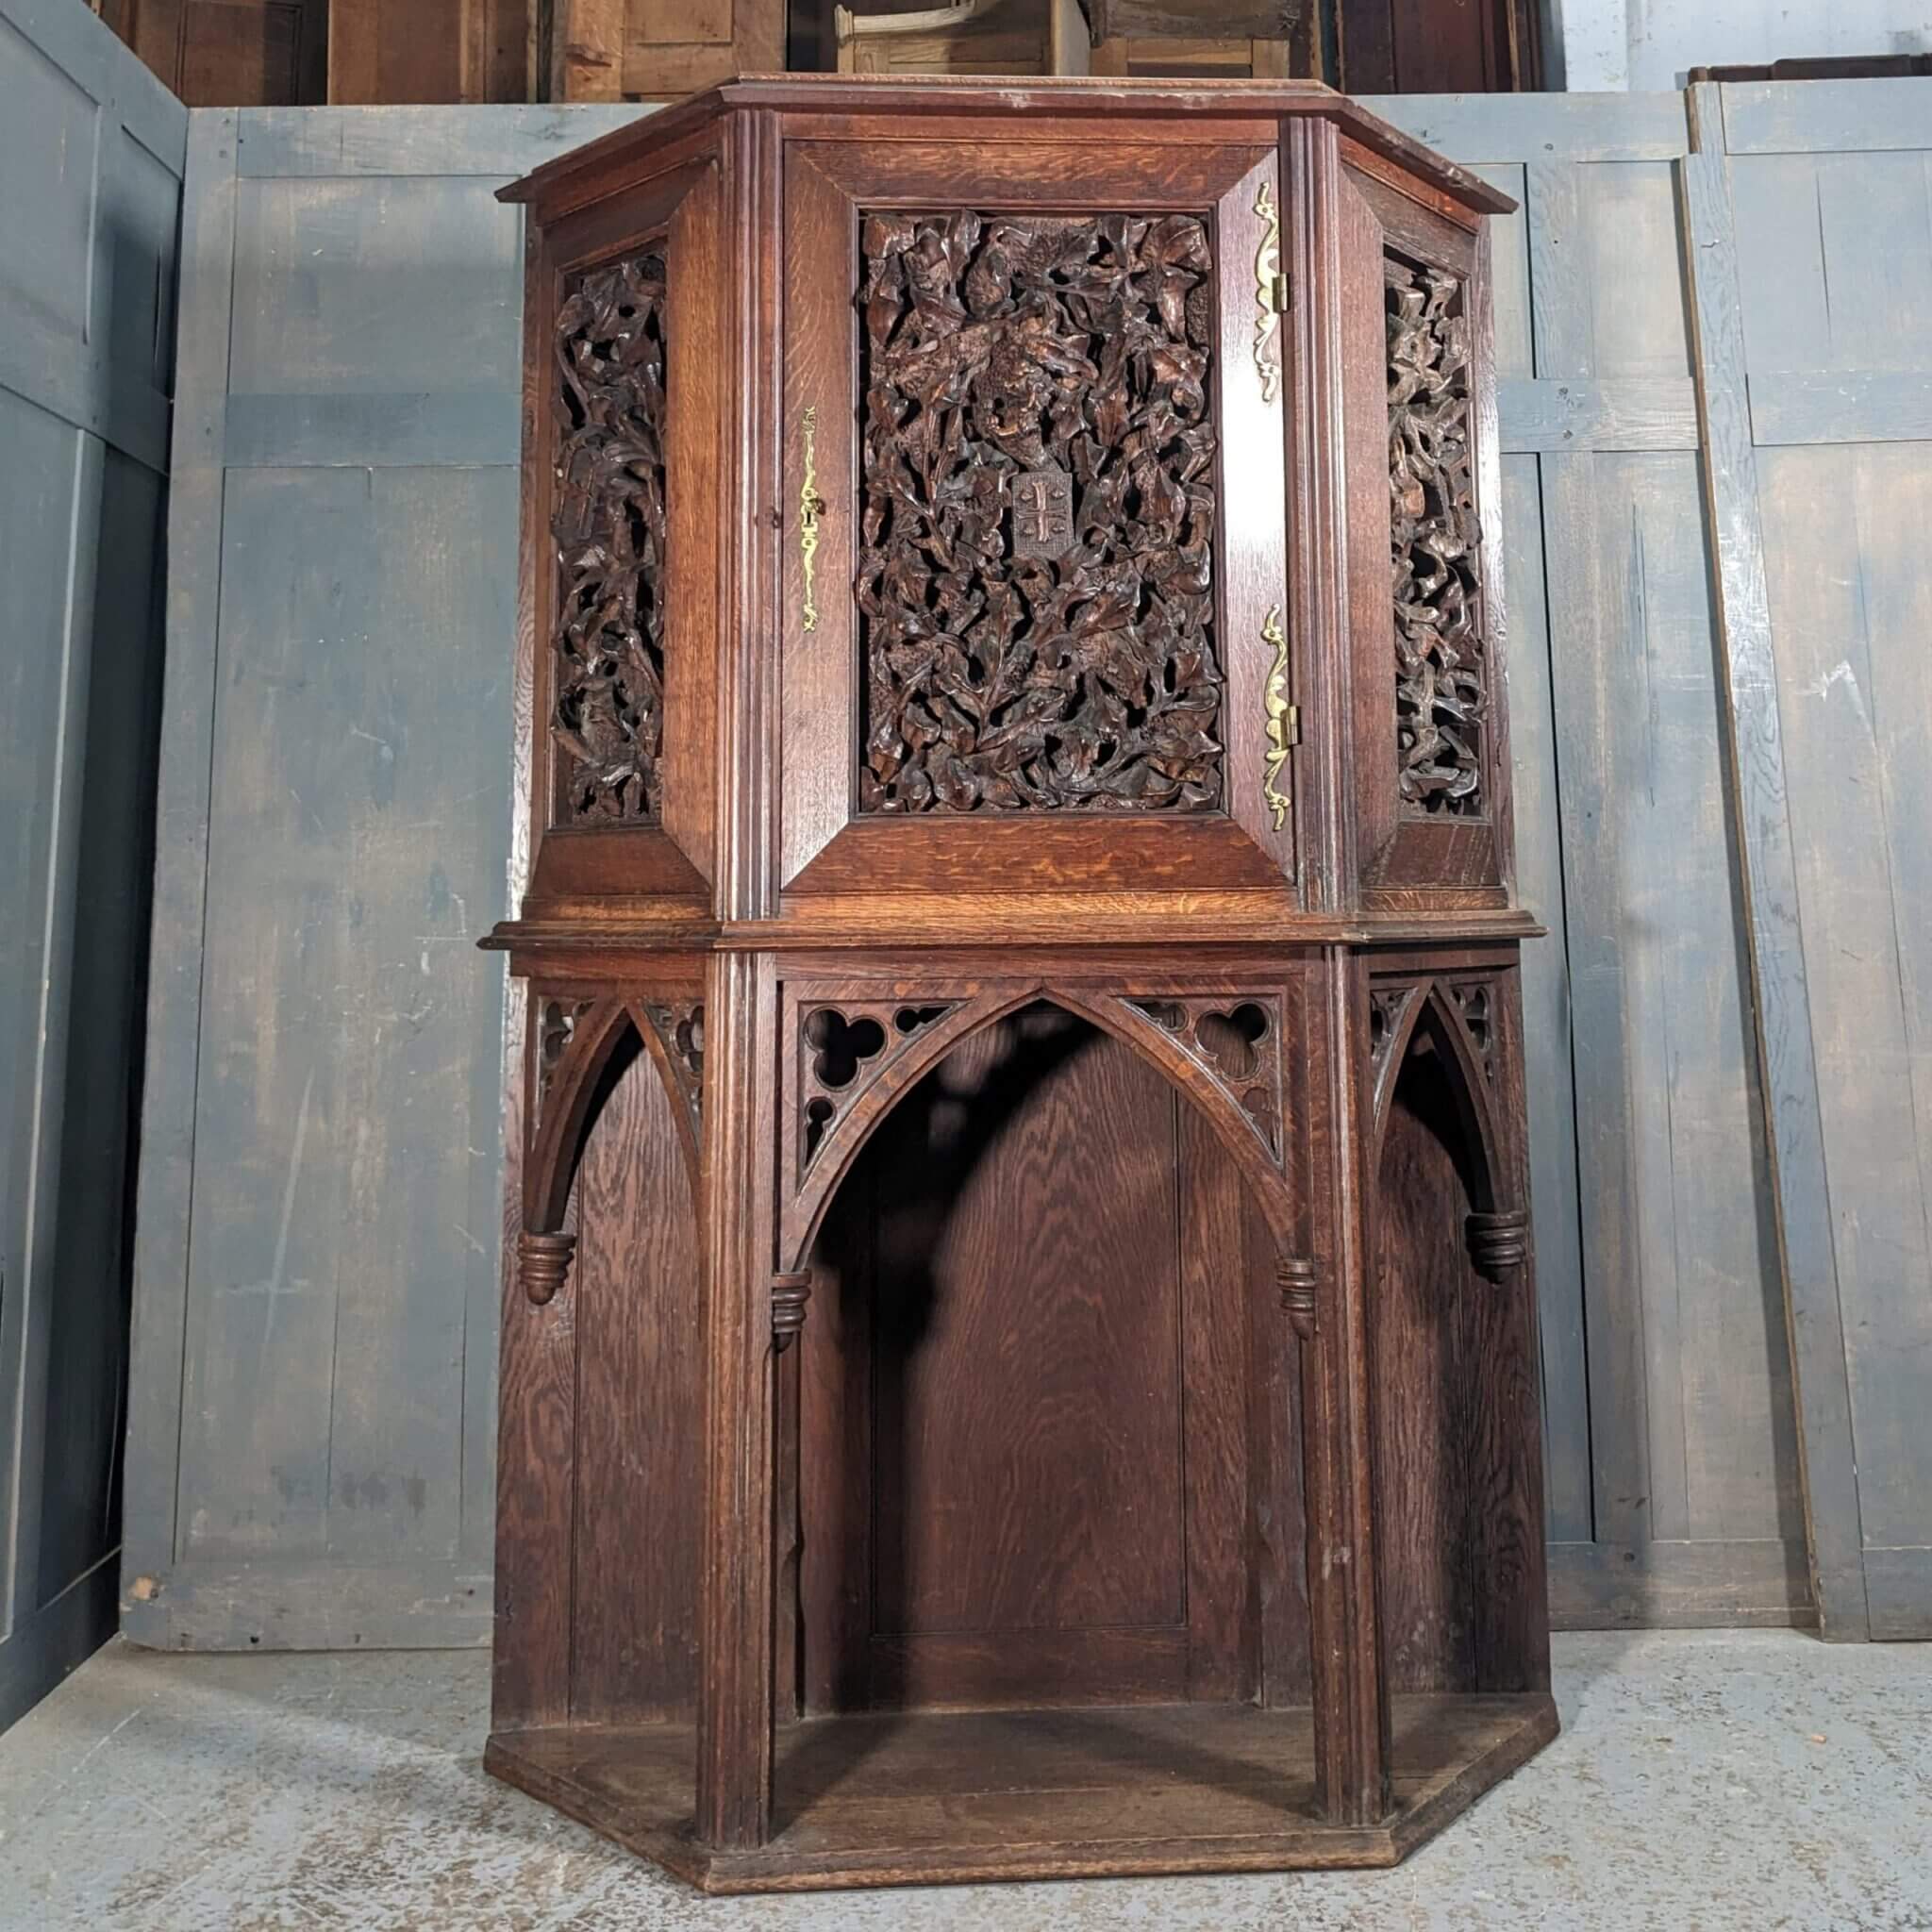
1624,412
321,1221
344,1230
181,800
1842,405
1817,116
1512,128
1785,1030
1672,1448
1833,341
499,146
90,165
1849,606
1664,1374
1559,1270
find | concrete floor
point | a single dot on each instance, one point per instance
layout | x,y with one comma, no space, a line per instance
1706,1780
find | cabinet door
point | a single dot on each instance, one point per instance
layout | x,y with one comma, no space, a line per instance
1033,577
1429,756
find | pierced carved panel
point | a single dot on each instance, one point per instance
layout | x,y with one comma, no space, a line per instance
1475,1004
556,1025
1388,1009
1440,675
842,1049
1237,1041
1035,569
609,524
680,1030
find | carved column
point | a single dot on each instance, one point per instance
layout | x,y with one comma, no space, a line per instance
736,1576
1351,1704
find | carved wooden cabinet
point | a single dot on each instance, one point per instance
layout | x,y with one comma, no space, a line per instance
1020,1353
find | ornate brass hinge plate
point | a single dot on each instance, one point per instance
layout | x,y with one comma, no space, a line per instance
1271,294
810,504
1284,719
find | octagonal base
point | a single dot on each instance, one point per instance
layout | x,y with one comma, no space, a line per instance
945,1797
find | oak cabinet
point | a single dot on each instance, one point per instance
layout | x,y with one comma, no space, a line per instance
1020,1353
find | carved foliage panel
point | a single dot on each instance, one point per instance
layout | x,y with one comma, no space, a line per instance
1440,671
1037,517
607,522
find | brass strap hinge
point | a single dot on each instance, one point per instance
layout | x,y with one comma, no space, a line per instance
1277,293
1282,721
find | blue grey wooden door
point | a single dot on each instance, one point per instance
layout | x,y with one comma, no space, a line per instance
90,156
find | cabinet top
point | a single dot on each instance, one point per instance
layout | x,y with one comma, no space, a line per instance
587,173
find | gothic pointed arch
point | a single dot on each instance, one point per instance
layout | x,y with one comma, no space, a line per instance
1438,1007
856,1058
577,1042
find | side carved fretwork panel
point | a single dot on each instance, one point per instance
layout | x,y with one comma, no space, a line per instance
1440,673
609,524
1039,510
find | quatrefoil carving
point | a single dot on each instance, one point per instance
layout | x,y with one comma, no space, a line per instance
842,1050
1237,1041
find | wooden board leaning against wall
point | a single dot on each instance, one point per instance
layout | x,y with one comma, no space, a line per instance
1674,1451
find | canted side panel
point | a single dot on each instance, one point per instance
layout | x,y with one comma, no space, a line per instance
1426,686
1039,512
1440,671
609,529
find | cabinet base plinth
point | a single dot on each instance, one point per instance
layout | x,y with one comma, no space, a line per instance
931,1798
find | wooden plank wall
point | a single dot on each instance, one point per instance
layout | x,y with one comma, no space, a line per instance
1673,1452
314,1408
1830,193
318,1291
91,159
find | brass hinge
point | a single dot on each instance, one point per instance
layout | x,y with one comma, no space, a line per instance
1282,721
1277,293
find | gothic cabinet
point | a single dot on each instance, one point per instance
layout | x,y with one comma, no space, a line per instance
1020,1356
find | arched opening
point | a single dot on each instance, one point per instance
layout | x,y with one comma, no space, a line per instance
638,1382
1048,1428
1452,1373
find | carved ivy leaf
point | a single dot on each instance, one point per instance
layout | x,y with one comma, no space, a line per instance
995,346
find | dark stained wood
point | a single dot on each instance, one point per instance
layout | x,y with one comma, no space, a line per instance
639,1373
1269,19
1425,1312
232,53
964,1796
1044,1128
1434,47
995,1445
1038,509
